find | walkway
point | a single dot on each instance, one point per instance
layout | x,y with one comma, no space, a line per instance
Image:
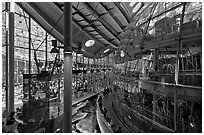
107,103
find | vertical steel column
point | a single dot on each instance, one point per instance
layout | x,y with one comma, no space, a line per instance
94,75
76,75
88,76
17,71
67,125
179,47
97,74
107,70
11,58
59,80
45,49
104,72
29,57
154,104
7,53
83,74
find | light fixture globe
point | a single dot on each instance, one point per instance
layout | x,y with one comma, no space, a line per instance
122,54
89,43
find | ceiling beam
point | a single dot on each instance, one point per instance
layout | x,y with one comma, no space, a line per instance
94,27
39,9
91,36
122,11
81,27
103,21
113,15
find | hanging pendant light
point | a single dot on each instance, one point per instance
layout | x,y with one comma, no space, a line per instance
55,49
122,53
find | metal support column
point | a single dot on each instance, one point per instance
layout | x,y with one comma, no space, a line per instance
107,71
154,104
88,78
76,76
59,80
179,47
29,58
17,72
7,54
67,125
11,58
46,49
94,75
97,74
83,75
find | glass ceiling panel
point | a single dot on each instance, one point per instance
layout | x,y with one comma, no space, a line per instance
142,15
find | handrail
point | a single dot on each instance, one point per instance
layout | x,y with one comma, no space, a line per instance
99,111
150,120
172,84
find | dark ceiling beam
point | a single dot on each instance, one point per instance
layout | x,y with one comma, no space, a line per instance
41,12
80,20
113,16
88,15
104,23
94,27
84,28
90,24
58,5
122,11
74,13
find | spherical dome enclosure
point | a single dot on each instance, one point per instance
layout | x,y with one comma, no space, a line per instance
89,43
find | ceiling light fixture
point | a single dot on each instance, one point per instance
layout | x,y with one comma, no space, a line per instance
122,53
106,50
89,43
55,49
